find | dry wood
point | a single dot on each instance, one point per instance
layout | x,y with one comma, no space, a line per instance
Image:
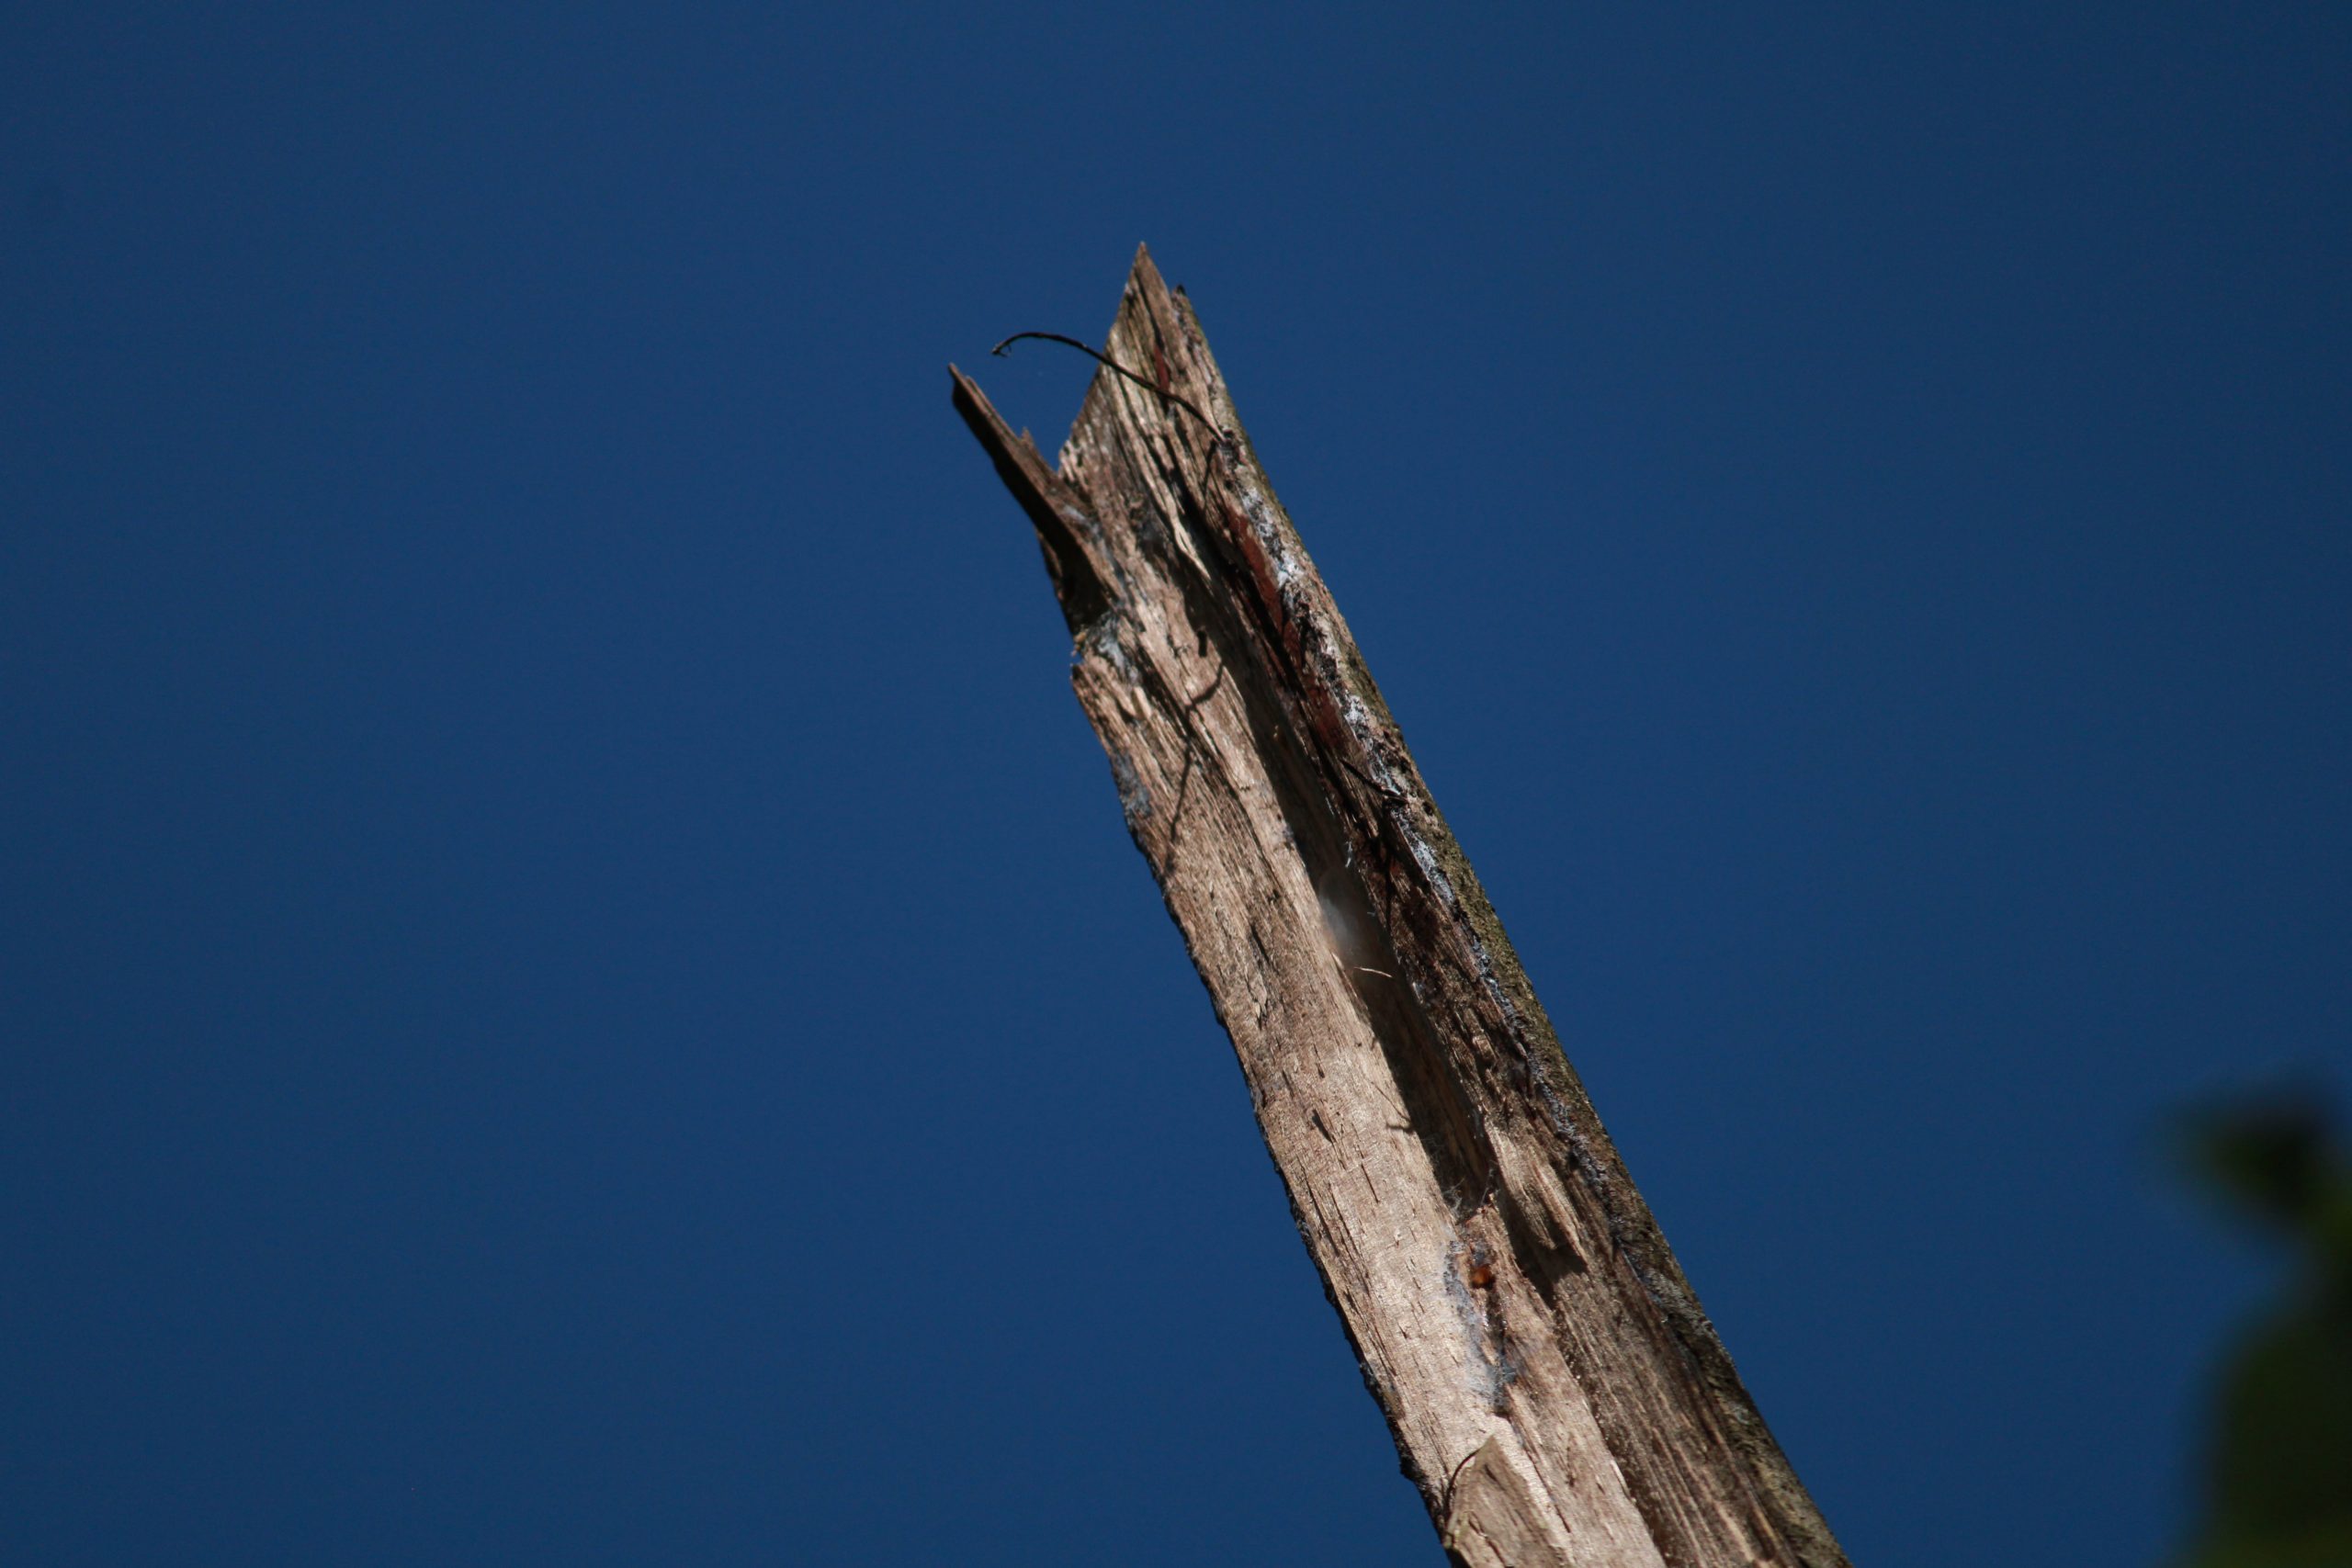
1554,1389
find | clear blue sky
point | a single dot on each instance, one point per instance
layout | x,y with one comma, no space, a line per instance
574,991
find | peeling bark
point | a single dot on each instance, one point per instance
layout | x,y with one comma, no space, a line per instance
1554,1388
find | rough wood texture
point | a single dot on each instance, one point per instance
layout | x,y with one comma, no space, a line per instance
1552,1386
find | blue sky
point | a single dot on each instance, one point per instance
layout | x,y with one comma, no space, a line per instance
573,985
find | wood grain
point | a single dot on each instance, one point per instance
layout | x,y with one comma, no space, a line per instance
1554,1388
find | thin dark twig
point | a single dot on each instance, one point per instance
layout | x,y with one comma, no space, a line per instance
1110,364
1460,1466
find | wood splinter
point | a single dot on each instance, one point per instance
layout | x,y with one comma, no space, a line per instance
1554,1389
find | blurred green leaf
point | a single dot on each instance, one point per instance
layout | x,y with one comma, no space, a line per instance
2278,1467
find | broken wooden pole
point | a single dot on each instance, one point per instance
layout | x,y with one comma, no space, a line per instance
1552,1386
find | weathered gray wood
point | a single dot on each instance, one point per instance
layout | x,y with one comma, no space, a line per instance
1554,1389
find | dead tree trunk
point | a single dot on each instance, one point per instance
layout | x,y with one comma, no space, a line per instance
1552,1386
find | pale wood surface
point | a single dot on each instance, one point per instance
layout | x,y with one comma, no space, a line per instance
1552,1386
